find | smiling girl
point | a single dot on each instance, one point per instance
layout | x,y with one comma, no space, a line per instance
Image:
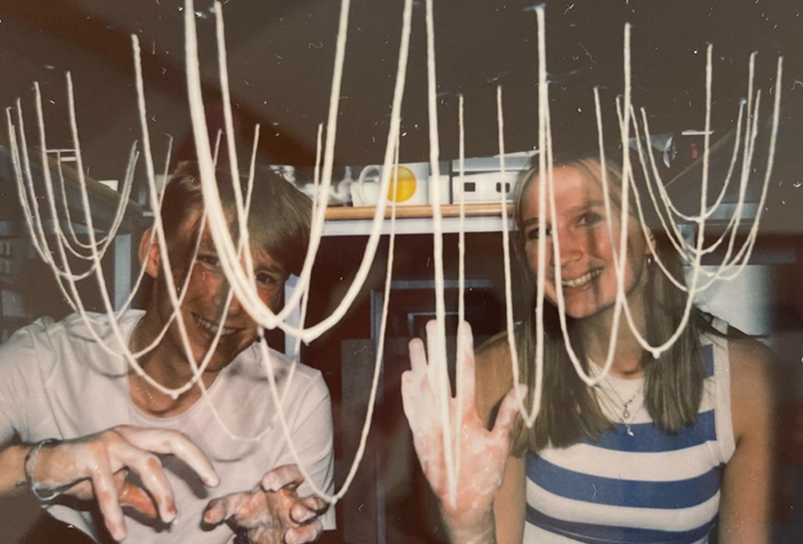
661,450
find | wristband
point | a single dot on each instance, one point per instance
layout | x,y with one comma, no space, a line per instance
43,494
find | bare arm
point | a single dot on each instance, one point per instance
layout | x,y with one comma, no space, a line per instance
12,475
95,468
510,503
494,380
745,502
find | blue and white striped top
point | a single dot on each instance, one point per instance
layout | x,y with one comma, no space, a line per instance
650,487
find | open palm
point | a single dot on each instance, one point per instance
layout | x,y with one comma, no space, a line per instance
479,454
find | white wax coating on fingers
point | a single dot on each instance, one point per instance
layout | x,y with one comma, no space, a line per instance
442,383
242,282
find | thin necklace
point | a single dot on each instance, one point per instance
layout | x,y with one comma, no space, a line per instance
625,417
140,383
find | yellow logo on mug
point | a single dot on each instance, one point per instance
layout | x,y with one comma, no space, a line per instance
411,188
405,184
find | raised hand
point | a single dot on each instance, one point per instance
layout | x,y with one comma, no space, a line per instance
482,454
272,513
96,466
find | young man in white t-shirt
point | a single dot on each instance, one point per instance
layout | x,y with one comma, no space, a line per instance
89,435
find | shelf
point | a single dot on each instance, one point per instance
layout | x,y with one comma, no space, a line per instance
103,201
480,217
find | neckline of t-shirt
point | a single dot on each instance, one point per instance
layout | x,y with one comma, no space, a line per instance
210,391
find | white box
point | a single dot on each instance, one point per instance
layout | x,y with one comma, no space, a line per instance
485,187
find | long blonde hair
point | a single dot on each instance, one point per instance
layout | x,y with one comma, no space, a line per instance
569,409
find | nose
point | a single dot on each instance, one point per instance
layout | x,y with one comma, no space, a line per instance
572,247
235,307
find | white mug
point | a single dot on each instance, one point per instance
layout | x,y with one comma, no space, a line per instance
411,188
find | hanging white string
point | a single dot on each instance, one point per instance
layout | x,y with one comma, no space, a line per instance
696,263
105,241
439,370
461,276
674,234
380,348
235,275
317,197
543,108
242,282
509,325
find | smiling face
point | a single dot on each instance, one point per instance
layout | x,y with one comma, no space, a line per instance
586,257
204,308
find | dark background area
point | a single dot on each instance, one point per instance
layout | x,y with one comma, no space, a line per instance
281,55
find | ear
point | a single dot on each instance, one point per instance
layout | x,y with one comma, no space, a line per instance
149,253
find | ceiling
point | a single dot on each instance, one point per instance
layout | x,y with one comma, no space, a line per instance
281,56
281,53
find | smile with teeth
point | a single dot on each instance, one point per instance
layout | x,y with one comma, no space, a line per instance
213,327
582,280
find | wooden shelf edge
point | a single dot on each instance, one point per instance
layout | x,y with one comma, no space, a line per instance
406,212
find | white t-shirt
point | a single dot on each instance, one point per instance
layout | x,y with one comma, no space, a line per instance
57,382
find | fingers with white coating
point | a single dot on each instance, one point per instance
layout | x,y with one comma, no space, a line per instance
107,498
465,364
149,469
308,508
508,411
96,467
283,476
226,507
304,533
434,356
170,442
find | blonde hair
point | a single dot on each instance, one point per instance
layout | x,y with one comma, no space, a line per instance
279,218
569,409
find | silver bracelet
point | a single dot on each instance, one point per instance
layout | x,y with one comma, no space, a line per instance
43,494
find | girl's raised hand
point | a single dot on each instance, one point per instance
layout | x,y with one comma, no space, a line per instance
478,455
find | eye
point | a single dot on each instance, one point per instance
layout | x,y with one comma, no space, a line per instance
210,260
589,219
535,233
267,278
